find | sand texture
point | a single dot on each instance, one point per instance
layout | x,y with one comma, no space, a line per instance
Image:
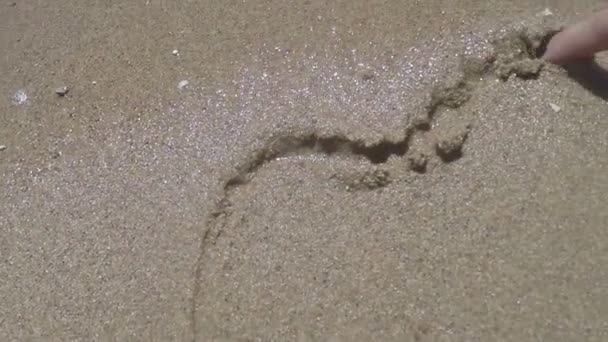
300,171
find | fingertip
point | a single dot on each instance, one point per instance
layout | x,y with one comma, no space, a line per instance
579,41
552,52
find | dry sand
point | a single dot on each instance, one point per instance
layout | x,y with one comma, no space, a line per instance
333,170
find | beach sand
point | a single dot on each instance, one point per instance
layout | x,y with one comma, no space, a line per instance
300,171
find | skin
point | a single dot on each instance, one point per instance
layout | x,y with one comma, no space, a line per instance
579,41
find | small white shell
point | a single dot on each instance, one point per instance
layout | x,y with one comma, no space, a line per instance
182,84
547,12
20,97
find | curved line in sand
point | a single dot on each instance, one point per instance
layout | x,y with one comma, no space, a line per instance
525,46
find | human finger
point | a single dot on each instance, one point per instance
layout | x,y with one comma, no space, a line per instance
581,40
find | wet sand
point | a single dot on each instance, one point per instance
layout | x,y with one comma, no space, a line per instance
332,171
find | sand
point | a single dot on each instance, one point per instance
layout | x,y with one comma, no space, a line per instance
346,170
